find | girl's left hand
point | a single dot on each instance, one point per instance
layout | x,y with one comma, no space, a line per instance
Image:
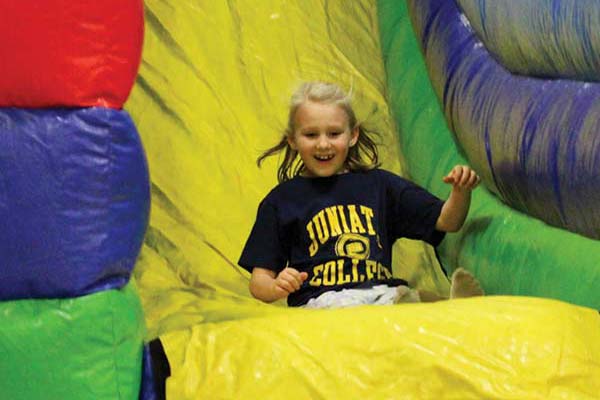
462,177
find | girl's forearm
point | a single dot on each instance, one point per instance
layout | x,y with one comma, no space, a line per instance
455,210
262,287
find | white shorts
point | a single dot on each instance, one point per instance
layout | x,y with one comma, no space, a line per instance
376,295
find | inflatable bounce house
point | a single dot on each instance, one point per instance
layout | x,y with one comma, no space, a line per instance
510,88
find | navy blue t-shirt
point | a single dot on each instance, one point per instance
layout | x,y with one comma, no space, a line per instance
339,229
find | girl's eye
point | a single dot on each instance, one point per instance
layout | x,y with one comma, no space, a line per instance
310,134
334,134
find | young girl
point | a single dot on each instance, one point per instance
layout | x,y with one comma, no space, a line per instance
323,237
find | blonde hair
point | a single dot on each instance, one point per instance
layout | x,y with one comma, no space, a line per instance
361,157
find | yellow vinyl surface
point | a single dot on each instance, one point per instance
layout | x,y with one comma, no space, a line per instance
211,95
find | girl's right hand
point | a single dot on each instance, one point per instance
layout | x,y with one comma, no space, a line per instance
288,281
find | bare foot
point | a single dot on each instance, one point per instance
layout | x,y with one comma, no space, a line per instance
406,295
464,284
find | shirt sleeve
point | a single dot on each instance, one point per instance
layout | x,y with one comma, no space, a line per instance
264,247
414,211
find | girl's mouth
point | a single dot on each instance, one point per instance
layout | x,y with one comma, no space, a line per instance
324,158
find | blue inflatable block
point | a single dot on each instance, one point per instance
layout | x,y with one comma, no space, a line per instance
74,201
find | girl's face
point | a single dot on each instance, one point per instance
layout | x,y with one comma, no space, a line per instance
322,137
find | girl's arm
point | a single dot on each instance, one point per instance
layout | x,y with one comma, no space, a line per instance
455,209
268,286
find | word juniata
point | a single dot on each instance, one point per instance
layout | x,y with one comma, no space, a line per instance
336,220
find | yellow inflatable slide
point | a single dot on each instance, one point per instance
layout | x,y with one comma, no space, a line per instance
211,96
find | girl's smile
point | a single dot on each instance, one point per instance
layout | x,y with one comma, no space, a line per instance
322,138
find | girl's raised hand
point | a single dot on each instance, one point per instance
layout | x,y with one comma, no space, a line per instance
462,177
288,281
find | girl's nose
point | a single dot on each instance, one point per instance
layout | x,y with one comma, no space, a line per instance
323,143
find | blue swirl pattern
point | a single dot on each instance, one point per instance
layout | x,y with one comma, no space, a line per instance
549,38
536,142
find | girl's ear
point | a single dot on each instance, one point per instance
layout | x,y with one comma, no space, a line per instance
354,135
291,141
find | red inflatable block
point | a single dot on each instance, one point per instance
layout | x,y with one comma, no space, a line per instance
69,52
